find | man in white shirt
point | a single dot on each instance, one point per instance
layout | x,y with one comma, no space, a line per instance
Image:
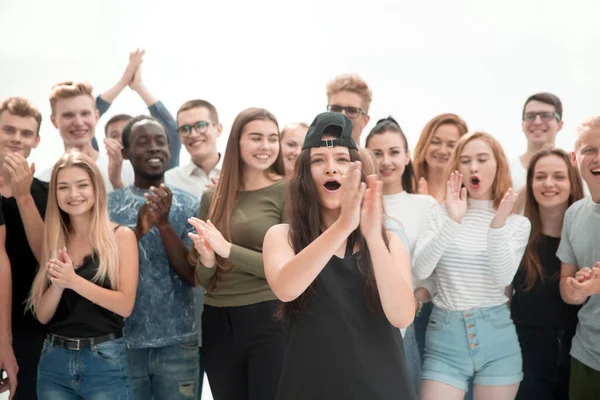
542,120
198,128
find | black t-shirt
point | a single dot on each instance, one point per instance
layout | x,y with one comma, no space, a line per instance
78,317
542,306
23,262
1,215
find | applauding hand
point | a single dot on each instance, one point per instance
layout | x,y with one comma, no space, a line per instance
456,197
371,213
505,209
352,192
207,254
61,271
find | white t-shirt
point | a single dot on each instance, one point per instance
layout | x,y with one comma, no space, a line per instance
518,173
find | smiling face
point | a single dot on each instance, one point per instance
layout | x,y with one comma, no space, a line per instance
587,156
199,145
392,158
440,148
539,131
478,166
551,186
76,119
148,150
291,145
328,166
17,134
74,191
115,130
259,145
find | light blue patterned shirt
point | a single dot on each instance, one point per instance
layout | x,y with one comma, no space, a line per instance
163,313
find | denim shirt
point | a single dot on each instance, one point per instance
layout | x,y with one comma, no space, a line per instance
164,312
160,112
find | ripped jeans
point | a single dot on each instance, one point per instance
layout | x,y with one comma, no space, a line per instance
165,373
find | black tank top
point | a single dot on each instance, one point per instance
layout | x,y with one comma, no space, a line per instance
340,348
77,317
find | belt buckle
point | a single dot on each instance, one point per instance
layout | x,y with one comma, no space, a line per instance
78,347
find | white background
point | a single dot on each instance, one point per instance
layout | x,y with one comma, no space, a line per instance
480,59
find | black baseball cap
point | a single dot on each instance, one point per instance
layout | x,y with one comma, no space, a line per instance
330,122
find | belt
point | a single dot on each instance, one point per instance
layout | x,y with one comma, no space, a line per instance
81,343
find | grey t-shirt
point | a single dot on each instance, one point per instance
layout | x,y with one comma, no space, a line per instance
580,245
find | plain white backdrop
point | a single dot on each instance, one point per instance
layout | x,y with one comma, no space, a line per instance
478,59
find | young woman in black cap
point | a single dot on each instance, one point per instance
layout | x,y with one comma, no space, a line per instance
344,280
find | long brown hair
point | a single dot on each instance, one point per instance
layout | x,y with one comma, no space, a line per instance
232,180
305,226
531,264
502,179
58,226
419,164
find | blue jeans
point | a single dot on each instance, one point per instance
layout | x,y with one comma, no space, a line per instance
413,360
165,373
99,373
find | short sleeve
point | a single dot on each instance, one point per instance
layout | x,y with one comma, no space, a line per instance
565,251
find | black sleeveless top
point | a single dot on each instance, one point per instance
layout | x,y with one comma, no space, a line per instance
77,317
340,348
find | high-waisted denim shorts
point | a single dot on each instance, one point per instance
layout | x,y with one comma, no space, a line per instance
479,344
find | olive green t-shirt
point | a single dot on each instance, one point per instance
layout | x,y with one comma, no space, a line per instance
245,283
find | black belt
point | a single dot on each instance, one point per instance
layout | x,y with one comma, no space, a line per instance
81,343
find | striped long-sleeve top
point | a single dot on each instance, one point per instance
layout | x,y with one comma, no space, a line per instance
471,262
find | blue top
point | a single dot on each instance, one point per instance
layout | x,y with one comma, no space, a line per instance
160,112
163,313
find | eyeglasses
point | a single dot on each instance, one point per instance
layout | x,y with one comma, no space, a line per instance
351,112
201,127
545,116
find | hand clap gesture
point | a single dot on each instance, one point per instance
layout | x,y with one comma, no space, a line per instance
456,198
159,201
504,209
61,271
585,283
207,254
371,213
352,192
21,175
211,237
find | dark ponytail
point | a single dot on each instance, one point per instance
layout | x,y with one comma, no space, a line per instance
389,124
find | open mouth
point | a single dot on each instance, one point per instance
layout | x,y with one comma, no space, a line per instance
154,162
332,185
549,194
596,172
386,172
262,157
475,182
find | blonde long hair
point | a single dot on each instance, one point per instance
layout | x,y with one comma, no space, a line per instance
58,226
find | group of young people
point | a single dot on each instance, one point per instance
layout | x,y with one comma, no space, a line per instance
298,264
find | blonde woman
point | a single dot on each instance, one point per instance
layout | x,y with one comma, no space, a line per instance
85,289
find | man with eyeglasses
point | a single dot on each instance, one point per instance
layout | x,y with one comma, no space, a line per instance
542,120
350,94
198,128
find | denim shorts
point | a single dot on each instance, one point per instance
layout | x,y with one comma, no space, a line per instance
479,344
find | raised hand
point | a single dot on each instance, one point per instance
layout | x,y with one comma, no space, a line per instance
115,161
371,213
352,192
456,197
61,271
207,254
21,175
135,60
137,82
159,201
423,186
505,209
